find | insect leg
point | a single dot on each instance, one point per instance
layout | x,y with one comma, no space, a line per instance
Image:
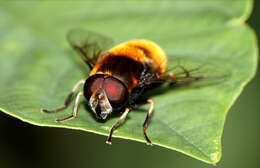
146,122
75,109
116,124
68,99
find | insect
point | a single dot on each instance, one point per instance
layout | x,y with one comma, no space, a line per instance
119,77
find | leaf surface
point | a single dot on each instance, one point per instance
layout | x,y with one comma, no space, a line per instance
38,68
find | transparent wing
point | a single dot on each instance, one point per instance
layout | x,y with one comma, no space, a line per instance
186,70
89,44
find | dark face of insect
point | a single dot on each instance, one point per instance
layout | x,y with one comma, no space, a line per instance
104,93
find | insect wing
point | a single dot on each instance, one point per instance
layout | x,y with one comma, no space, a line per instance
187,71
89,44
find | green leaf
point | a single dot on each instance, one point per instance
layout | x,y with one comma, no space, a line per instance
38,68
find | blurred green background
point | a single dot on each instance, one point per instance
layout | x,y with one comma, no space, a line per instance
25,145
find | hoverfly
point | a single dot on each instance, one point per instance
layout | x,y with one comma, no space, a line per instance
119,76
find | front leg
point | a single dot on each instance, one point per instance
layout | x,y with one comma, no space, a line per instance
75,109
68,99
116,124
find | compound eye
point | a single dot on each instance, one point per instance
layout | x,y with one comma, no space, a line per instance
92,84
115,91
